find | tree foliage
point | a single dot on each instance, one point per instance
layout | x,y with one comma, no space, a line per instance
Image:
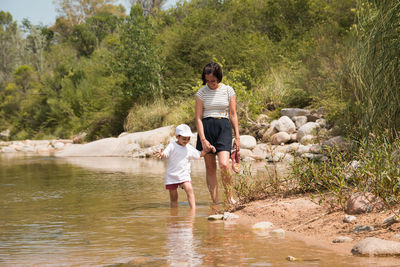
96,64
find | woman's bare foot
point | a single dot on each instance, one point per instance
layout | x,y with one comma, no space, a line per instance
232,201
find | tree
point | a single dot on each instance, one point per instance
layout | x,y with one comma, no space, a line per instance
77,11
9,45
83,39
148,5
36,43
138,58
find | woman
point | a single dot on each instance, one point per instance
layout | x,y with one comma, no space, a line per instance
215,113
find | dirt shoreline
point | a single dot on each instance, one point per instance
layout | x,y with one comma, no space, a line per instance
314,224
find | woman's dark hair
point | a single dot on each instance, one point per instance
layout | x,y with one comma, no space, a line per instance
214,69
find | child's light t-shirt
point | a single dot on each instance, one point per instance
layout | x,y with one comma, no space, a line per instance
178,166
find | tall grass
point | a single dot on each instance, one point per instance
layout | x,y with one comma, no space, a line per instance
375,68
371,167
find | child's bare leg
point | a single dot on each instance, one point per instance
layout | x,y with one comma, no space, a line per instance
173,196
190,194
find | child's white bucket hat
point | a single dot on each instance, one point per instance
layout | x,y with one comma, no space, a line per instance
183,130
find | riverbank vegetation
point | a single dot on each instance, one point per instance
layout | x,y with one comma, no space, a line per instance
101,71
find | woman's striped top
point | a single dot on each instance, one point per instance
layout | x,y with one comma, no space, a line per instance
216,102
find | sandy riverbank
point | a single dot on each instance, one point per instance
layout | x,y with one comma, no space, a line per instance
312,223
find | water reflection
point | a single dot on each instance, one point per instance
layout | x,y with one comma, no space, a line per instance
180,242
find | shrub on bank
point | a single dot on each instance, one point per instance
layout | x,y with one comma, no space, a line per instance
370,167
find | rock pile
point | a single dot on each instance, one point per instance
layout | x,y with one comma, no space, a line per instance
298,132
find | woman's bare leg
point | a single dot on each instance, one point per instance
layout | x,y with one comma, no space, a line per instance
226,175
173,197
211,176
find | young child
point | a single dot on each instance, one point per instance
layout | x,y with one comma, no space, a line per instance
179,154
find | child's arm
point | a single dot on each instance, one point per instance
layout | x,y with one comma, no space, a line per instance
204,152
160,154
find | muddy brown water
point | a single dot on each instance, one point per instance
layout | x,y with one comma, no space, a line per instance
111,211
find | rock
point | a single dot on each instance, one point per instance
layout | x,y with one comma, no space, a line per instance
119,147
261,151
349,218
320,112
263,119
285,124
321,122
215,217
278,232
363,228
150,151
123,134
291,258
270,131
8,149
316,149
247,142
362,202
263,226
310,128
293,137
316,157
312,117
391,220
372,246
336,141
342,239
291,112
276,157
303,149
396,236
324,133
308,139
28,149
281,137
245,153
58,145
292,148
79,138
230,216
299,121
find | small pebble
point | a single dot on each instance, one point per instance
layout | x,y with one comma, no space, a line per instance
263,225
279,232
342,239
291,258
216,217
349,218
363,228
230,216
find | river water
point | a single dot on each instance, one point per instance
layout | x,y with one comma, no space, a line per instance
111,211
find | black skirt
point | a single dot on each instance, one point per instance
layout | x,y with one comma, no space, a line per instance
218,132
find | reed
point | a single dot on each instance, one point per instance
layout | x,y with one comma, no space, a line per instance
375,68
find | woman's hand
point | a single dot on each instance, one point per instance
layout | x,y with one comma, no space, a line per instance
236,144
206,145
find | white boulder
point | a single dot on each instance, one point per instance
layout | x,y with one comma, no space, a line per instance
310,128
285,124
247,142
